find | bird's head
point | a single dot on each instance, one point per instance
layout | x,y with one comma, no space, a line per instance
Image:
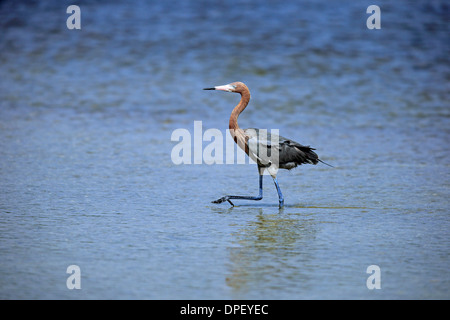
231,87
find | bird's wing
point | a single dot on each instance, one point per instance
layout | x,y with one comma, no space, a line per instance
291,151
263,146
271,148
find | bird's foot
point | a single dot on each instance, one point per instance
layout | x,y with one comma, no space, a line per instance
223,199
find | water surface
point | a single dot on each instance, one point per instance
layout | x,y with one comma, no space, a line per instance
86,175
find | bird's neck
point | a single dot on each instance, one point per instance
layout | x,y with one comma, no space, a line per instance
245,98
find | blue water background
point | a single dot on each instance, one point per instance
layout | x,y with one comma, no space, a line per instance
86,175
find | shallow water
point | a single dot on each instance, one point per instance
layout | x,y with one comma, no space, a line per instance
86,174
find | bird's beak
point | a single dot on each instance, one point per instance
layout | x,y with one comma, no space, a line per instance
227,87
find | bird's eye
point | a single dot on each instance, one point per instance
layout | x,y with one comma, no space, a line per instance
234,87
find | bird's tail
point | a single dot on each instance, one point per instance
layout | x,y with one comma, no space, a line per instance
326,163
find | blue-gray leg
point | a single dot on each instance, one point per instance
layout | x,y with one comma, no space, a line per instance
259,197
280,195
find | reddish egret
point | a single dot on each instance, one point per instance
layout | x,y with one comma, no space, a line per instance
280,153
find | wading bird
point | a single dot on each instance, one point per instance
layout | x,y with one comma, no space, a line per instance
271,152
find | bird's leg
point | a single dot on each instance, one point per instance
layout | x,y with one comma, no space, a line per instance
280,195
259,197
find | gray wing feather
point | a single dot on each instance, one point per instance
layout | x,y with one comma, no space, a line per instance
269,146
